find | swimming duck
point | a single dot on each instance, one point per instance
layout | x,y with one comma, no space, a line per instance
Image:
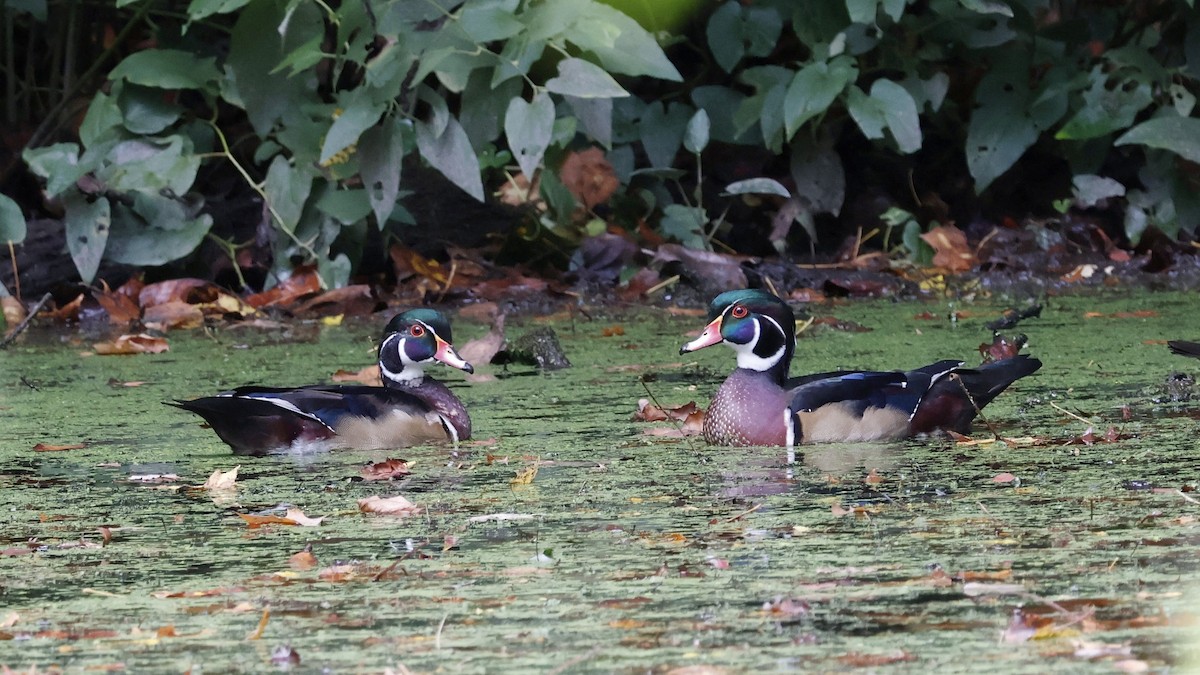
410,408
758,405
1184,348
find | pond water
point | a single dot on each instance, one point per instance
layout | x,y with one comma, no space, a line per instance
627,552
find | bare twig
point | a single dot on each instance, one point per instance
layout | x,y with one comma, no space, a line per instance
1070,414
20,328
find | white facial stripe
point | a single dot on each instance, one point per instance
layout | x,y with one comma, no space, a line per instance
411,374
746,358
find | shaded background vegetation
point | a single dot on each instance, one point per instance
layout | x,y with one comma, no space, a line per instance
247,139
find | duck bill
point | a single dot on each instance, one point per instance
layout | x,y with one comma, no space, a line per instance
711,336
446,354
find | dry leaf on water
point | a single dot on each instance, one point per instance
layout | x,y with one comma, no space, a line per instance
132,344
255,522
173,314
304,560
222,480
386,470
297,516
303,283
525,476
368,376
389,506
121,308
481,350
47,447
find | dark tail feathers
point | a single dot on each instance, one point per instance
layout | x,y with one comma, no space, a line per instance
947,404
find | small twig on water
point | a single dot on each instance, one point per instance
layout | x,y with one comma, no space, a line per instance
674,422
747,512
1064,411
437,639
20,328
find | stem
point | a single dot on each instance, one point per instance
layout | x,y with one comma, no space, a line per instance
230,250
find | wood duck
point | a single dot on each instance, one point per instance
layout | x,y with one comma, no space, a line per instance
410,408
1184,348
758,405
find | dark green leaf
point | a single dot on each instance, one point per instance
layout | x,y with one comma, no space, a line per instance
618,41
528,127
814,89
144,111
287,189
482,106
103,118
334,273
720,103
489,20
345,206
358,114
155,231
695,138
256,47
451,153
595,115
685,224
1180,135
12,221
150,164
866,112
817,171
1090,189
758,186
582,79
900,111
86,231
199,9
734,32
662,131
59,164
168,69
1107,107
862,11
381,155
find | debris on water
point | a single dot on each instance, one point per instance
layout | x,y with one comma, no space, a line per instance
1178,387
1013,316
539,347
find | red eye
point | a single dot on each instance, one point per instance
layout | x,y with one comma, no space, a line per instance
739,312
417,330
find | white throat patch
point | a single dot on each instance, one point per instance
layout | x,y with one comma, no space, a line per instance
413,372
746,358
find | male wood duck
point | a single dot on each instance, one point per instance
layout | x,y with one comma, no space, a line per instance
410,408
1184,348
758,405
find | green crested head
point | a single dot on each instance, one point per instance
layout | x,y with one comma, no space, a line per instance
430,317
754,299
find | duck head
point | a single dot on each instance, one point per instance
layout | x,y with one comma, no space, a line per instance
759,327
412,340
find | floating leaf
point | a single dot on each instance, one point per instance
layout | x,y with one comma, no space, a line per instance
132,344
386,470
222,480
389,506
48,447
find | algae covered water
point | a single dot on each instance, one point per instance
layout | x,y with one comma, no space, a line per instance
568,538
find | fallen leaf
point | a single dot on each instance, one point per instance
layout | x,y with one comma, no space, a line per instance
860,660
385,470
14,311
255,522
589,176
222,480
297,516
525,476
1003,478
303,282
390,506
68,312
612,331
950,248
303,560
47,447
652,413
368,375
121,308
356,300
172,315
132,344
481,350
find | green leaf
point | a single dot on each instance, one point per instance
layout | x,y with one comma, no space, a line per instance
489,20
150,164
528,127
1107,107
862,11
86,227
256,47
814,89
685,224
764,108
866,112
720,103
595,115
59,164
758,186
481,111
1183,100
380,156
662,131
582,79
103,116
358,115
144,111
168,69
1180,135
900,112
200,9
734,32
695,138
334,273
919,251
987,7
621,45
345,206
12,221
450,152
1090,189
817,171
155,231
287,189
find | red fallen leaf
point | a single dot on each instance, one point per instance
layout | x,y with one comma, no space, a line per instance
354,300
806,295
1003,478
482,350
47,447
589,176
835,323
255,522
120,307
781,606
389,506
173,314
177,290
132,344
68,312
950,248
368,375
302,283
303,560
611,331
927,316
860,660
873,478
385,470
647,412
1002,347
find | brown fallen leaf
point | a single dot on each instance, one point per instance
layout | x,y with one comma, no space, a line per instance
950,248
481,350
389,506
14,311
589,176
68,312
302,283
304,560
174,314
647,412
297,516
385,470
860,660
368,375
255,522
132,344
47,447
525,476
355,300
121,308
222,480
